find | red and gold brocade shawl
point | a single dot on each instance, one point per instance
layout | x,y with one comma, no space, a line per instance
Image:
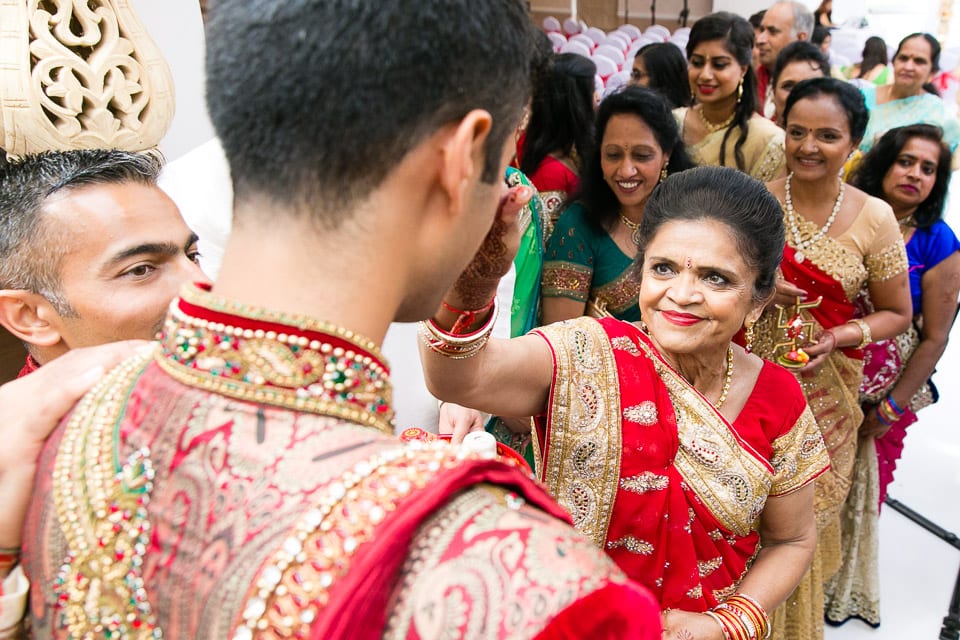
654,474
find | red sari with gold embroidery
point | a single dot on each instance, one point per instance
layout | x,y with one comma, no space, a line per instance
654,474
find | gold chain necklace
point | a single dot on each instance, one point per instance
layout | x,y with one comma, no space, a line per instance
634,228
713,128
728,378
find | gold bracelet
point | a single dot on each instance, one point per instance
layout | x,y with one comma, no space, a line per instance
457,347
865,337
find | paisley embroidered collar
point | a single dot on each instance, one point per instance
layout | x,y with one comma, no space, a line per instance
275,358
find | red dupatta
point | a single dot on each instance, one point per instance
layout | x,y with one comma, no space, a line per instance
647,466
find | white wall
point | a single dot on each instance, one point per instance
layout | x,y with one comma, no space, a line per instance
176,27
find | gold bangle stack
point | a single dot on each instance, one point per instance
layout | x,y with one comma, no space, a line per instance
457,346
865,336
742,618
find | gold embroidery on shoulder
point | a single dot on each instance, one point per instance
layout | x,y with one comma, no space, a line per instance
624,343
888,263
644,413
632,544
644,482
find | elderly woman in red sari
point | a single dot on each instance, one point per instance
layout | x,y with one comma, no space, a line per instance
688,459
840,241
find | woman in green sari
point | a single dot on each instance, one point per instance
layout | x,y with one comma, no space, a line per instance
587,260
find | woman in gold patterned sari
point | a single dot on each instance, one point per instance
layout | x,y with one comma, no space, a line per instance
696,481
839,241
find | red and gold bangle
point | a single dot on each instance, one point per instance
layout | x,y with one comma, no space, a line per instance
735,626
723,625
458,347
754,610
466,318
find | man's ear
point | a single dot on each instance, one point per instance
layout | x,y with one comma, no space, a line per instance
30,317
463,156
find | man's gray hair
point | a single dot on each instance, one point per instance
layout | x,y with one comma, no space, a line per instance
802,20
30,250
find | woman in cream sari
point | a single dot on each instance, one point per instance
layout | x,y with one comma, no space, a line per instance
695,480
839,240
723,128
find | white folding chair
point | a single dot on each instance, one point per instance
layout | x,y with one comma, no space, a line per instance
551,25
616,81
605,66
617,39
631,30
613,53
658,31
571,26
573,46
583,38
558,40
597,35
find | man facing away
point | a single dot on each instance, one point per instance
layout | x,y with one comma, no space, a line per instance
91,250
783,23
243,481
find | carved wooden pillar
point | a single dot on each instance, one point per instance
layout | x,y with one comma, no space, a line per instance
80,74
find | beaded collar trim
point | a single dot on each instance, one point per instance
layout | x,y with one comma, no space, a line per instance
281,359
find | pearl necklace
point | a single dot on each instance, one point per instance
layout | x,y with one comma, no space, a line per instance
728,378
803,245
711,127
634,228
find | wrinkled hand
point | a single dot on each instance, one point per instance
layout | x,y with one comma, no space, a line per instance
818,351
477,282
30,408
871,427
685,625
459,421
787,293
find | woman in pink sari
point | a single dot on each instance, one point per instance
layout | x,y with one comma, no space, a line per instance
688,459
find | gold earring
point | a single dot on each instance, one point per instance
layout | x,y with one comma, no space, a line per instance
663,173
740,91
749,337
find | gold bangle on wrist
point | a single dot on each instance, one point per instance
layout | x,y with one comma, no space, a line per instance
865,336
457,347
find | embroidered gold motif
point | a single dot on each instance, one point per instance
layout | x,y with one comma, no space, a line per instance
798,455
696,593
632,544
342,378
644,413
584,431
563,279
292,586
709,451
102,511
722,594
888,263
646,481
716,534
620,294
624,343
706,567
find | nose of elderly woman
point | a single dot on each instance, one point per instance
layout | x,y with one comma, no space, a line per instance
684,290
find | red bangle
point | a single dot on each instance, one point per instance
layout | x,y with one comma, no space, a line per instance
466,318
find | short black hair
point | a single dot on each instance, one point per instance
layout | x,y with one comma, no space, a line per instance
849,97
799,51
726,195
874,166
561,112
316,102
667,70
26,259
652,108
738,38
820,33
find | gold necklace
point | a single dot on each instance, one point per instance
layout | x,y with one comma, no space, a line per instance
906,223
711,127
634,228
728,378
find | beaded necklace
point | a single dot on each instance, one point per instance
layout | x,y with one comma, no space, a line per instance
728,378
711,127
634,228
803,245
